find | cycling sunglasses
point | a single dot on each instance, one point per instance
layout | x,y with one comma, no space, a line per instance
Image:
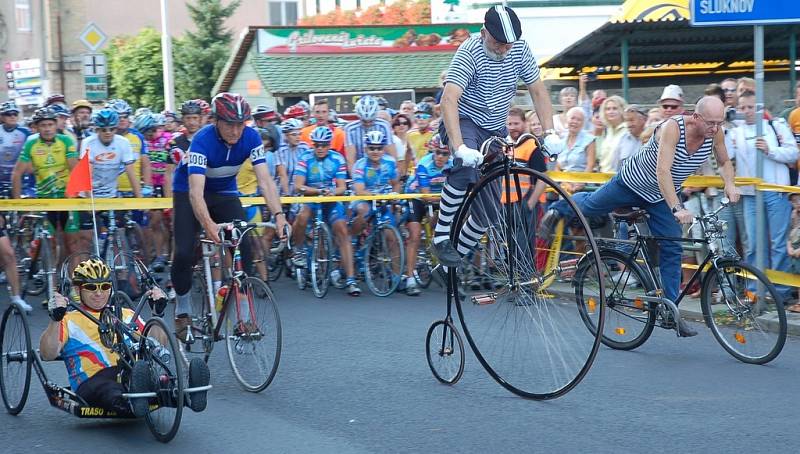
422,116
92,287
107,129
375,148
442,153
321,144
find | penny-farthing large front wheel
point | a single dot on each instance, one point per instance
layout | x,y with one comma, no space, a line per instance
534,343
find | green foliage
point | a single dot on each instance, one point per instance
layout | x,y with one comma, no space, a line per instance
135,69
201,54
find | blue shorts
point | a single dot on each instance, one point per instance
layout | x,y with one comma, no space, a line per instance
385,212
332,212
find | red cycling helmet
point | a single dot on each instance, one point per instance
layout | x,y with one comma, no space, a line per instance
295,111
230,107
205,108
56,98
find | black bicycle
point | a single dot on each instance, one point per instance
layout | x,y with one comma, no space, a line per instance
750,328
533,344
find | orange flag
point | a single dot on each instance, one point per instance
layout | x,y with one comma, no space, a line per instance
80,179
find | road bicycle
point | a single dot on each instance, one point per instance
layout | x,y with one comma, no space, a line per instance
242,313
33,247
751,329
533,345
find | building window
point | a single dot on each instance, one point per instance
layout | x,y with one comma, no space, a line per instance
283,13
22,15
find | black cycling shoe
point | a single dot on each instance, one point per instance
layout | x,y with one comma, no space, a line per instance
684,330
199,375
141,382
548,224
446,254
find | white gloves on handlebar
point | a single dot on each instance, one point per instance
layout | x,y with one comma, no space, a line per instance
469,156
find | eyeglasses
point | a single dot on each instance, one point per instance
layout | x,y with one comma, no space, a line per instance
401,123
92,287
375,148
729,90
422,116
670,106
107,129
713,124
321,145
442,153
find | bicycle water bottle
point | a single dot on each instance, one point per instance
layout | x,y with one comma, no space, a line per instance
220,297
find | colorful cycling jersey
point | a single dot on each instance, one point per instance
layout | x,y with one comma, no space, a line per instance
322,173
428,176
106,160
179,145
11,143
139,148
157,151
376,179
247,181
83,353
208,155
288,157
355,132
50,163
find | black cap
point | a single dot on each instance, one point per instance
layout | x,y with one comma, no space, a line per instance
503,24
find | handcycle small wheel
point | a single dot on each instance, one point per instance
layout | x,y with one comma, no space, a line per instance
630,319
321,251
253,334
15,351
752,331
533,343
166,368
385,262
444,350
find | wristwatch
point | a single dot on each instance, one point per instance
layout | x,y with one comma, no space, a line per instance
677,208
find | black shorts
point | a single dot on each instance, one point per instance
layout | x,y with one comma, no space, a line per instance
417,209
103,390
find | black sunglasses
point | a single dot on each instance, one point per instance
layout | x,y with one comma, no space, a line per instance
321,145
402,123
375,148
442,153
92,287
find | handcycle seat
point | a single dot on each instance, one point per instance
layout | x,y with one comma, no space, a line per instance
629,215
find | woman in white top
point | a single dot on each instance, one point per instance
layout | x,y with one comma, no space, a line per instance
400,126
568,98
611,116
577,153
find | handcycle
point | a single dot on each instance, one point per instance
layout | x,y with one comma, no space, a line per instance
533,345
751,329
152,351
244,314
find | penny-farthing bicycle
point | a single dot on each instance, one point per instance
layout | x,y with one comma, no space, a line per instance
533,344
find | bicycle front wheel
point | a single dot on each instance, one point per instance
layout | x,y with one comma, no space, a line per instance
253,334
385,260
321,249
15,359
751,330
534,344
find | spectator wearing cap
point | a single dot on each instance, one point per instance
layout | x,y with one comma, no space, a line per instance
568,98
81,120
794,115
265,117
322,116
611,115
419,136
671,101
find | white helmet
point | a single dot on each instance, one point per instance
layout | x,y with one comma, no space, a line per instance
367,108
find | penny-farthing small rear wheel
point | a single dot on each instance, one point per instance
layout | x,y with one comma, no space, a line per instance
445,352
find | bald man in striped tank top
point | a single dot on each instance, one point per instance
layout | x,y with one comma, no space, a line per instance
651,178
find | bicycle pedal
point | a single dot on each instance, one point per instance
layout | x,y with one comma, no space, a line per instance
489,298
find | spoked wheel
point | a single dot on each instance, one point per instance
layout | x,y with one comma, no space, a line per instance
322,248
166,369
126,275
276,261
426,261
37,264
630,319
15,359
752,330
445,352
385,260
253,335
136,242
533,344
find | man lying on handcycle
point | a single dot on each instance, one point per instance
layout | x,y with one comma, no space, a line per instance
93,371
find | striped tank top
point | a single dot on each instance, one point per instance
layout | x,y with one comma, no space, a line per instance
639,171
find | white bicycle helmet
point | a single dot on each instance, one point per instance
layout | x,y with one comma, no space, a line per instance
375,138
367,108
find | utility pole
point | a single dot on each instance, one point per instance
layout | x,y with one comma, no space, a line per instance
166,56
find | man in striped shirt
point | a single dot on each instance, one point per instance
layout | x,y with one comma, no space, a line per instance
480,85
650,180
367,110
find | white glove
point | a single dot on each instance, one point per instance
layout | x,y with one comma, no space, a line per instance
469,157
553,143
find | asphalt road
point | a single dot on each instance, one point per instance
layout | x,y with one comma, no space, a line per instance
353,379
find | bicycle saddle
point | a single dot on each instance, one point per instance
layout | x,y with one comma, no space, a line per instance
629,215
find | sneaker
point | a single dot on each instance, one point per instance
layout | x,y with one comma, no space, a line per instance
412,289
183,324
446,254
336,278
547,224
199,375
22,304
353,288
299,259
141,382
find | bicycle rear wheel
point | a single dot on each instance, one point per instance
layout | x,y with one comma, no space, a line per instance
533,344
752,331
630,319
166,368
15,359
444,350
253,335
320,265
385,260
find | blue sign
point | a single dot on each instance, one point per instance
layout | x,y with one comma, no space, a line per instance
744,12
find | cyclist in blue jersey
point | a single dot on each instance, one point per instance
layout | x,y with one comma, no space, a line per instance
429,178
374,174
205,191
322,173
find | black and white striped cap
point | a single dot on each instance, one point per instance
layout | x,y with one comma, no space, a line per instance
503,24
